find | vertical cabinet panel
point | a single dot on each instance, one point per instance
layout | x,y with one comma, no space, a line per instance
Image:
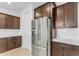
56,50
16,24
38,13
2,45
60,17
46,10
2,21
9,22
71,15
10,43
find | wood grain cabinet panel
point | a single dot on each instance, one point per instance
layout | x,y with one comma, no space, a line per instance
10,43
13,42
17,41
66,15
70,52
9,21
56,50
63,49
60,23
44,10
2,21
38,13
16,23
12,22
3,47
71,15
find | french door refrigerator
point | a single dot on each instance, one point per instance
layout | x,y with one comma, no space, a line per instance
41,37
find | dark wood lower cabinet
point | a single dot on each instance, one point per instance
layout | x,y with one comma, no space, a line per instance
62,49
3,47
17,41
69,52
9,43
57,51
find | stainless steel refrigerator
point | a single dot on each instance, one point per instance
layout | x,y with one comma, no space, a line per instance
41,37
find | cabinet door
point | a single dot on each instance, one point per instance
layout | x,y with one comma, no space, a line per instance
17,41
70,52
44,10
9,22
60,17
10,43
2,45
37,13
2,21
71,15
56,50
16,22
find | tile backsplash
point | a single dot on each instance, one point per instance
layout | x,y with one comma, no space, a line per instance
68,33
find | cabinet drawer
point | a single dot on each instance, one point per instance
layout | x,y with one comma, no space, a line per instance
63,45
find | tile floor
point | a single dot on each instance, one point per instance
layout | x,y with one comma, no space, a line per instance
17,52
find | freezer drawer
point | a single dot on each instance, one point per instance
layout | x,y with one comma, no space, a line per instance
38,51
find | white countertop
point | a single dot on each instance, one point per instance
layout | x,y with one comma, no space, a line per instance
68,41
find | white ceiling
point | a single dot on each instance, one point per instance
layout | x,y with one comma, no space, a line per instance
15,6
20,6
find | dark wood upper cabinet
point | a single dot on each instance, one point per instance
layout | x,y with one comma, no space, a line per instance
66,15
60,17
46,9
9,21
2,21
16,23
43,10
71,15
